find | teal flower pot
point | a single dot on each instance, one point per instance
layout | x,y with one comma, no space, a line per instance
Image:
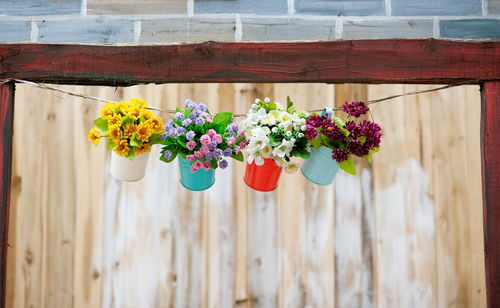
320,168
196,181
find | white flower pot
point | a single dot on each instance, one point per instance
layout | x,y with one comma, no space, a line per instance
128,170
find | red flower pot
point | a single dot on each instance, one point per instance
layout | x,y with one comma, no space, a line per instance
263,178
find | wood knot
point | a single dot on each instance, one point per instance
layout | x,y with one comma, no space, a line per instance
205,50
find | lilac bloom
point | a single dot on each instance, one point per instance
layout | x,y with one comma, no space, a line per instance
164,136
227,152
180,130
167,154
179,116
170,124
197,112
209,156
223,164
192,117
190,104
190,135
232,128
200,121
218,153
186,122
212,146
202,107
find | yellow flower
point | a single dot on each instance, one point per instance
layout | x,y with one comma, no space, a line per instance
146,114
94,136
138,102
156,124
115,133
144,131
134,112
129,129
122,148
114,120
143,149
121,106
107,110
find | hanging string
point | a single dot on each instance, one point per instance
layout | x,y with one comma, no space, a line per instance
171,111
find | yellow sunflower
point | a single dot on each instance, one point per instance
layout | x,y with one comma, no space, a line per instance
143,149
134,112
122,148
146,114
121,107
129,129
94,136
115,119
138,102
115,133
107,110
156,124
144,131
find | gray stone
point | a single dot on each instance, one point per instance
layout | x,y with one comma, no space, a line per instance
270,7
100,7
494,7
387,29
471,28
39,7
15,31
433,7
86,30
340,7
188,30
284,29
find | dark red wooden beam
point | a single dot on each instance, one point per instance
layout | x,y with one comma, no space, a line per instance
6,123
359,61
490,149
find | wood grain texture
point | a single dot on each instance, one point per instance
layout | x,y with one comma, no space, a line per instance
6,126
362,61
404,232
490,150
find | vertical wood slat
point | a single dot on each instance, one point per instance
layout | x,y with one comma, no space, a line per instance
490,149
6,132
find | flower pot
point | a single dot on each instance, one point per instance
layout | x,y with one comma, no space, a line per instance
320,168
128,170
263,178
196,181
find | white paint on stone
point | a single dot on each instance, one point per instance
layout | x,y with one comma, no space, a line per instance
291,7
238,33
339,28
190,8
34,31
137,30
388,7
83,8
435,28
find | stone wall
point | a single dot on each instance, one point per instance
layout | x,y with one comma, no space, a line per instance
173,21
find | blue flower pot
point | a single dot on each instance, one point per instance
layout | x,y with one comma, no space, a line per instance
196,181
320,168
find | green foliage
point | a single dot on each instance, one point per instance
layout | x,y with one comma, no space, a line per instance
102,124
238,157
134,141
348,166
110,144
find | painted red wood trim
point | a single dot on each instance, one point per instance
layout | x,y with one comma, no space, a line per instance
490,150
6,130
359,61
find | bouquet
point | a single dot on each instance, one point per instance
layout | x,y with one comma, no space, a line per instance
204,140
129,128
275,132
345,137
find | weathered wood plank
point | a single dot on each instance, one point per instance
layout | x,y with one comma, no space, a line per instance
363,61
490,150
6,131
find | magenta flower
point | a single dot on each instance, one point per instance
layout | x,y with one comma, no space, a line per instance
340,155
190,157
355,109
191,145
332,131
206,165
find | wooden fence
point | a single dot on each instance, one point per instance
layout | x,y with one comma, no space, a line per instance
405,232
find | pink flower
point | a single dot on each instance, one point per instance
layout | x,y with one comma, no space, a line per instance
236,149
217,138
194,169
204,149
207,166
212,133
191,145
231,140
205,139
243,143
208,117
198,164
240,133
190,157
198,154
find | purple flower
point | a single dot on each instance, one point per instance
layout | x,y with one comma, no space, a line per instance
190,135
200,121
209,155
192,117
311,132
340,155
179,116
169,125
372,132
164,136
355,109
356,147
190,104
202,107
167,154
172,132
180,130
212,145
332,131
223,164
218,153
186,122
227,152
232,128
354,129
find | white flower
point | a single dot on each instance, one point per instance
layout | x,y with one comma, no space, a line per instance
267,100
284,148
253,106
268,120
285,117
292,168
288,133
257,100
275,113
281,162
274,129
303,128
301,135
267,152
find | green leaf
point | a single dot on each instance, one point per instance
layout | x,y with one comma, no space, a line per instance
300,153
222,119
271,106
155,138
374,150
289,102
316,143
181,142
131,153
348,166
134,142
126,120
102,124
238,157
368,158
110,145
214,164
